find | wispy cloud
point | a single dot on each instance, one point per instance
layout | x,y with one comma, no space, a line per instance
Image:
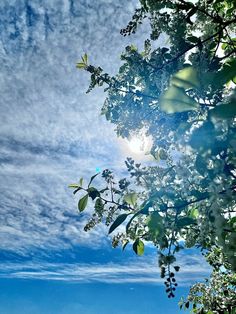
133,271
51,133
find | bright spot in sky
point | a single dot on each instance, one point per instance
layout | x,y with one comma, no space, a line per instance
137,146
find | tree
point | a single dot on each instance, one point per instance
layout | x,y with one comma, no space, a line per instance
183,95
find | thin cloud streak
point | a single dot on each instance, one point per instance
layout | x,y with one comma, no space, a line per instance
192,268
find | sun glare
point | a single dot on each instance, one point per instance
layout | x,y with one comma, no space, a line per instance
136,145
140,144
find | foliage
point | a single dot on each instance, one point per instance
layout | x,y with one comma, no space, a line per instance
182,94
217,294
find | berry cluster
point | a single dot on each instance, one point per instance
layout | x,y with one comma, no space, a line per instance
137,18
170,282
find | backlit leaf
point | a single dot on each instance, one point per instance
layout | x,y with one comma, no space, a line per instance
74,185
176,100
186,78
80,65
138,247
131,198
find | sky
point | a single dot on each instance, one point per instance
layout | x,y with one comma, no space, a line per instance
51,134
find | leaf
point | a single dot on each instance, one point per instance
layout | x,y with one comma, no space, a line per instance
193,39
224,110
85,59
119,220
131,198
81,181
124,244
226,74
186,78
194,213
74,185
176,100
185,221
155,224
164,50
144,210
206,132
138,247
83,203
92,178
80,65
93,193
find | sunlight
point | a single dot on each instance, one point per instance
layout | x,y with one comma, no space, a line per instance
137,146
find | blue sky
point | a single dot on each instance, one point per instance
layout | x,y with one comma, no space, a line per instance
51,134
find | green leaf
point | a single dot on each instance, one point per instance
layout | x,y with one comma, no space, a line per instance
74,185
131,198
81,181
85,59
185,221
138,247
92,178
80,65
119,220
176,100
124,244
193,39
224,110
193,213
144,210
93,193
83,203
206,132
155,224
186,78
133,47
226,74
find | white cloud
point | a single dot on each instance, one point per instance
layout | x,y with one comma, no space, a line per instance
143,271
51,133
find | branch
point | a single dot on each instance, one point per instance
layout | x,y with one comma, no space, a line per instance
180,54
199,199
216,19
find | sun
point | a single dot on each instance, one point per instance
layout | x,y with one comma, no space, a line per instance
137,145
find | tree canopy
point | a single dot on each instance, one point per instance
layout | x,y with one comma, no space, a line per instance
182,94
